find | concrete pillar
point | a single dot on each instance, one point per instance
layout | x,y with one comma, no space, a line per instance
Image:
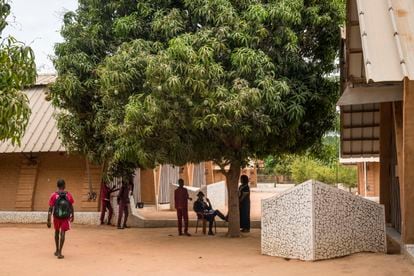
157,181
386,125
190,167
407,191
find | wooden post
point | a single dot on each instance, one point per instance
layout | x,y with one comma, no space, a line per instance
385,158
398,125
407,191
365,179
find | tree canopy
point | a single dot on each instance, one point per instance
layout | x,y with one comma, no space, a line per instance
185,81
17,70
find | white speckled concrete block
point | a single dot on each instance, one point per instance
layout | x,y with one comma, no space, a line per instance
314,221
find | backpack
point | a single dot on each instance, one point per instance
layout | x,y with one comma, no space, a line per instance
62,208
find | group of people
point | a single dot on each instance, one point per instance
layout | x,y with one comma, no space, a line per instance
61,208
122,200
204,209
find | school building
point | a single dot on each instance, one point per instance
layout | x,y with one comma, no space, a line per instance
377,102
29,171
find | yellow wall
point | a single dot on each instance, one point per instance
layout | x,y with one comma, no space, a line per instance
53,166
9,175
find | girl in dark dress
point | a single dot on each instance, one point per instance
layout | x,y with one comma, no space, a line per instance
244,204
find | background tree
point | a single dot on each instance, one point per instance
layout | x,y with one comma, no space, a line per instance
154,82
17,70
319,162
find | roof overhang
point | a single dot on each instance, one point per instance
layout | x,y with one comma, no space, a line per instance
355,160
371,94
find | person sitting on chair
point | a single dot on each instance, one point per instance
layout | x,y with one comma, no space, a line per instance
206,211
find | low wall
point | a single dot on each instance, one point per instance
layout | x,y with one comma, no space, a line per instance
88,218
93,218
314,221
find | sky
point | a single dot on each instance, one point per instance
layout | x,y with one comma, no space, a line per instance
37,24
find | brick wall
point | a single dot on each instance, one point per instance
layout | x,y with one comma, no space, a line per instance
53,166
27,186
9,175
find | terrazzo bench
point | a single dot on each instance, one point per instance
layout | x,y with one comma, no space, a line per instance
315,221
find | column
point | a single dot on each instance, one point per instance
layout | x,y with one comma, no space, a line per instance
407,191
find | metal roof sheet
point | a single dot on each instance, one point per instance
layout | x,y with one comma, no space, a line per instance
387,33
41,133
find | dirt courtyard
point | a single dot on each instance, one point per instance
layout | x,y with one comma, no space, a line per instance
28,250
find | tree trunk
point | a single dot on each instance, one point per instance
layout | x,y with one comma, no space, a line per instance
232,179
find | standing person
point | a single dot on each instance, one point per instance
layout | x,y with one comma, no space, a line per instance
106,201
61,206
181,198
123,202
244,204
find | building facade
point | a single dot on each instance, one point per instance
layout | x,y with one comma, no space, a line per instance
377,102
29,172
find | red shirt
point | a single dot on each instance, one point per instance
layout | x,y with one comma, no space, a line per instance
105,195
55,196
181,198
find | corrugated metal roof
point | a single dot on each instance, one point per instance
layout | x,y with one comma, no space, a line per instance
41,133
387,32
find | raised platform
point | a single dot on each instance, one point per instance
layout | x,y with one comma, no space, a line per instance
149,216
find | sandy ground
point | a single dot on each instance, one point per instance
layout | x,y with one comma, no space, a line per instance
255,209
28,250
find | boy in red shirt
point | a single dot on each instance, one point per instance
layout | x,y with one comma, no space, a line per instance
181,198
61,205
106,201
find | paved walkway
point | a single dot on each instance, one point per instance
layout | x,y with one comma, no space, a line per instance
28,250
